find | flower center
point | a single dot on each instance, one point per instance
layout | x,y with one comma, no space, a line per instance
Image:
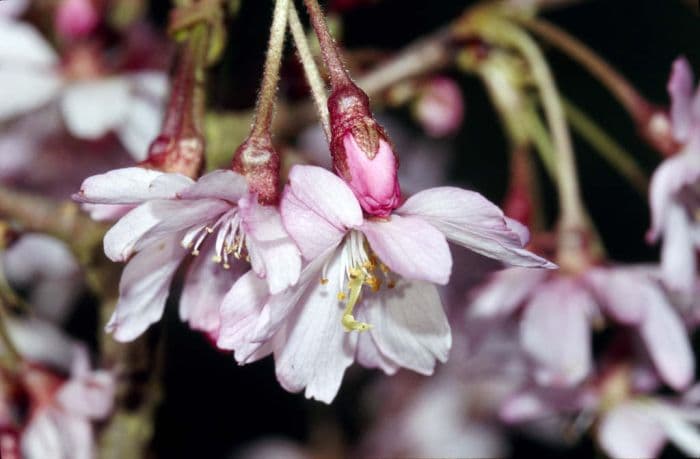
230,238
359,267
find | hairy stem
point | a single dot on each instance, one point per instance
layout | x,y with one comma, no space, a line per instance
313,77
331,56
273,61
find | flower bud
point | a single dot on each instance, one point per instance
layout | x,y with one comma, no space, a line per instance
259,162
183,154
362,154
76,18
439,107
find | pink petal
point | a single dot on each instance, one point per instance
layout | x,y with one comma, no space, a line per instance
629,431
240,311
668,179
106,212
667,343
317,209
409,325
369,355
504,292
680,87
144,288
470,220
410,247
678,252
624,293
317,350
131,185
555,332
273,255
205,287
41,341
220,184
89,394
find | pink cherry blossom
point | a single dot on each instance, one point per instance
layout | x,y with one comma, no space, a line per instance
63,427
31,76
439,107
558,312
172,216
400,258
639,427
673,194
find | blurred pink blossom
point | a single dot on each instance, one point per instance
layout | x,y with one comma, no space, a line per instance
439,107
673,193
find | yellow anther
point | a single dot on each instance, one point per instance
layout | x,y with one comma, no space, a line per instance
186,245
384,268
209,230
374,283
195,252
216,259
324,281
341,296
227,266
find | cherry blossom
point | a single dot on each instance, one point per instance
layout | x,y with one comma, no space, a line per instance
173,216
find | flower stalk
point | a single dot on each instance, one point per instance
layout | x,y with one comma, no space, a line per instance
313,76
256,158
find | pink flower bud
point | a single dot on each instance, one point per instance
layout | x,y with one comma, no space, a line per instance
183,154
362,154
440,108
76,18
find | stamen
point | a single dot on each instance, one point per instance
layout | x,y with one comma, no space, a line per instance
357,278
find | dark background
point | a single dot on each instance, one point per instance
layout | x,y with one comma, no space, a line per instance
212,406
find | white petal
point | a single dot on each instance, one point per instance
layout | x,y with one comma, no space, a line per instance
629,431
240,312
131,185
369,355
667,342
409,325
555,332
317,350
23,90
219,184
144,288
22,45
504,292
93,108
678,254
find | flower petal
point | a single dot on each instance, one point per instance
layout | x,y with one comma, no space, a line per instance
273,255
411,247
409,325
667,342
680,87
219,184
369,355
316,350
239,312
468,219
144,116
130,185
624,293
205,287
678,253
144,288
629,431
555,332
23,90
93,108
504,291
317,208
22,45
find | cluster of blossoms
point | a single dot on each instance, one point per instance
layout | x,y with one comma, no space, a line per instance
357,253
